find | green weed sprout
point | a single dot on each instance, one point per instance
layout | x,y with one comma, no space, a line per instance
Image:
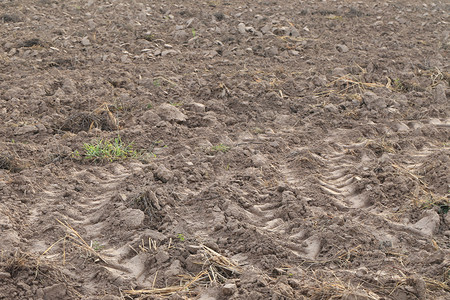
220,148
109,150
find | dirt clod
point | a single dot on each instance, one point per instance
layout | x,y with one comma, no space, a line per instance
56,291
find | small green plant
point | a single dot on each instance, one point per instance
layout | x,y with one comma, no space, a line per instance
258,130
176,104
180,236
194,33
149,106
97,246
76,154
444,208
160,144
148,37
398,85
109,150
157,82
431,201
220,148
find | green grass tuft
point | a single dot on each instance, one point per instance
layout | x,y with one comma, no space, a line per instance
109,150
220,148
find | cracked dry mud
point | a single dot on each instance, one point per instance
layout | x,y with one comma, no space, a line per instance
285,149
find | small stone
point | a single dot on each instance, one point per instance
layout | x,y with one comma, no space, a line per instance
56,291
154,200
372,101
272,95
39,293
338,72
181,35
12,52
241,28
219,16
209,120
85,41
439,94
320,80
294,283
331,108
193,41
169,112
169,52
435,121
429,223
189,22
294,32
281,187
272,51
59,93
4,275
211,53
193,248
194,263
342,48
267,28
91,24
447,219
259,160
174,269
26,130
125,59
163,174
229,289
162,257
420,287
197,107
8,45
283,119
250,29
402,127
151,118
133,218
163,124
281,31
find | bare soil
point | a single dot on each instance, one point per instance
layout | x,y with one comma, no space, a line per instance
284,149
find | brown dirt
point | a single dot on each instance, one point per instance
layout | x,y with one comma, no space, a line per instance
285,149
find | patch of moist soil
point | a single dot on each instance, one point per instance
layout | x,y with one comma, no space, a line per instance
295,150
